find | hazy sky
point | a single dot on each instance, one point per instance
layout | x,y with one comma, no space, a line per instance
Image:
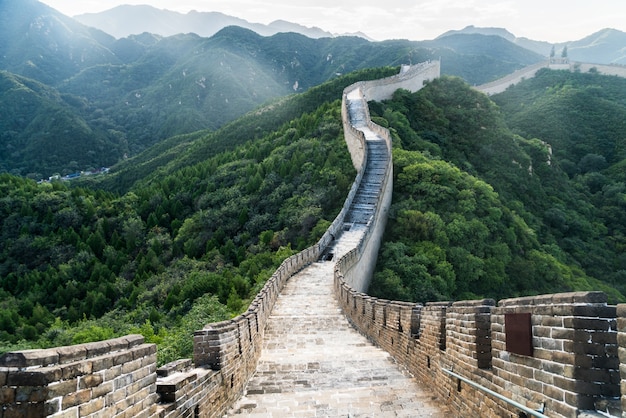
546,20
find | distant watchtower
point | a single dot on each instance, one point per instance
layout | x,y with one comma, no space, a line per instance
559,62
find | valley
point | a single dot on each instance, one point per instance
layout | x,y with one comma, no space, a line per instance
219,169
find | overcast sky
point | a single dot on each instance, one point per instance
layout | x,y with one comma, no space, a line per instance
546,20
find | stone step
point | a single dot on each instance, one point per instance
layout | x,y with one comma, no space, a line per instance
313,362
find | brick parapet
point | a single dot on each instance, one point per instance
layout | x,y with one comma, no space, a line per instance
468,333
410,78
111,378
621,340
574,360
574,365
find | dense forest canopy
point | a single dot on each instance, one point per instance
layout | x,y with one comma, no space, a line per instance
491,199
189,247
519,194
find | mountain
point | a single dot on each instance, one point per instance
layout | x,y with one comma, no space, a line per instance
478,210
278,26
607,46
126,20
514,194
136,91
192,246
472,30
38,42
46,131
540,47
478,58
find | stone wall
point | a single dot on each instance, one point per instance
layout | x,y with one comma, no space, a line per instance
119,377
358,274
501,84
410,78
617,70
621,352
109,378
574,366
577,342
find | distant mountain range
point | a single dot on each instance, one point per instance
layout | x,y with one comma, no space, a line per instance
126,20
607,46
74,97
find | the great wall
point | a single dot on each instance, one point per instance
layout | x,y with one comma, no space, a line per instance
291,353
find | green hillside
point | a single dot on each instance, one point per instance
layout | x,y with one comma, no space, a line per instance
180,151
187,232
43,132
134,92
188,247
40,43
478,58
480,211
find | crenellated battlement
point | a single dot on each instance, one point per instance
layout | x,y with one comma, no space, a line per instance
558,353
573,366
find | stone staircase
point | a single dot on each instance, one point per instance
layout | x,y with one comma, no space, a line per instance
313,362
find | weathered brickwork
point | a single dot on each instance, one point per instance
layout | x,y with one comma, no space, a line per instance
574,366
115,378
574,362
621,342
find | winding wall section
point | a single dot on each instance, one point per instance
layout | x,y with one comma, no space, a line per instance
501,84
119,378
576,339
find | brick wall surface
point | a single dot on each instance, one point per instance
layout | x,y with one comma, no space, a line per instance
113,378
574,366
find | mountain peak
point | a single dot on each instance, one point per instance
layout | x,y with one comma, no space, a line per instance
126,20
471,29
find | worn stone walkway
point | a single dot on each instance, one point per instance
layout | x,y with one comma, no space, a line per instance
314,364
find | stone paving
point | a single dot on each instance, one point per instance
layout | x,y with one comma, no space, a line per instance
314,364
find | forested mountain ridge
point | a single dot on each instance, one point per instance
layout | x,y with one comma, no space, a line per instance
484,209
603,47
126,20
478,211
39,121
134,92
517,194
189,247
177,152
40,43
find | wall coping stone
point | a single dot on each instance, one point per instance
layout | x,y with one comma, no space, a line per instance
621,310
557,298
68,354
438,304
174,367
470,303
